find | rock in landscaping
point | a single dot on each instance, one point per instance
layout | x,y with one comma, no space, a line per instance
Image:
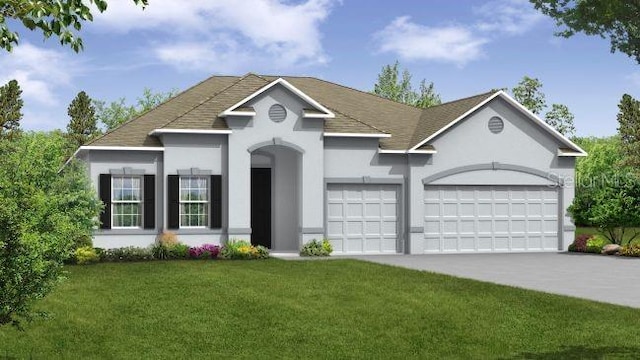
611,249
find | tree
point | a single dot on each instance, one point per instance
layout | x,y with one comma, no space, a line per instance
561,119
392,87
528,93
607,191
43,215
629,129
602,167
619,20
616,209
82,125
51,17
428,96
118,112
10,109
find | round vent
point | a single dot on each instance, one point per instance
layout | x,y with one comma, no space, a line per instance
277,113
496,125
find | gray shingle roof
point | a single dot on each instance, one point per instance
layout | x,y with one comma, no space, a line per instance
356,112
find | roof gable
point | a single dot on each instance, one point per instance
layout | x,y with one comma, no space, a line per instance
320,110
447,120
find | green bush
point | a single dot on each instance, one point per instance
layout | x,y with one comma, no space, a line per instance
159,251
242,250
596,243
179,251
86,255
130,253
630,250
168,247
317,248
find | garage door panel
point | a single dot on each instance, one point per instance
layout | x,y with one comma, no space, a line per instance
467,227
450,243
368,217
373,210
354,228
485,243
490,218
467,209
535,243
373,228
467,243
485,226
501,243
518,226
501,209
354,210
335,211
518,243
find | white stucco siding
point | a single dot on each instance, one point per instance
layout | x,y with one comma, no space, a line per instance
358,157
185,151
522,143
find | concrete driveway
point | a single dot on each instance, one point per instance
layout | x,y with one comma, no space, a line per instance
602,278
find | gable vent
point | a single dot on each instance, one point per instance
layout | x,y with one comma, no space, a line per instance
496,125
277,113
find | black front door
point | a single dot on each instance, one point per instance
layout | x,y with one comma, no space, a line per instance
261,207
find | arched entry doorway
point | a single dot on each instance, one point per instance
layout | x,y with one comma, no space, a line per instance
275,197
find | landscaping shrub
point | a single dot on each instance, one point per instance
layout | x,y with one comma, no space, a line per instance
317,248
168,239
632,250
242,249
179,251
159,251
206,251
580,243
595,244
86,255
130,253
167,246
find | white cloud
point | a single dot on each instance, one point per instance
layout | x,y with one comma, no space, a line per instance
39,71
273,31
411,41
459,43
509,17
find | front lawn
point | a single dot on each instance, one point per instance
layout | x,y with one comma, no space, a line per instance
310,309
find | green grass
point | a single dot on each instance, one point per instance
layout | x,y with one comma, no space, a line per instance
310,309
594,231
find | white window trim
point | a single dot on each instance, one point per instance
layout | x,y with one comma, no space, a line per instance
139,201
207,202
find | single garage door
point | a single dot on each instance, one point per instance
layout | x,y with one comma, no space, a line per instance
490,218
363,218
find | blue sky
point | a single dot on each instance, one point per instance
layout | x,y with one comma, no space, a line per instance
464,47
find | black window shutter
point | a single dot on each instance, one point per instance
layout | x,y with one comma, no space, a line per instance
149,207
215,212
105,196
173,196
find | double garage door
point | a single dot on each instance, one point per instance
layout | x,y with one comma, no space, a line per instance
363,218
490,218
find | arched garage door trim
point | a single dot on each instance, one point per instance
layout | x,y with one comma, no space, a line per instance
493,166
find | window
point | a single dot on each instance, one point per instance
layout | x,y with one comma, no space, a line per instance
126,202
194,201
